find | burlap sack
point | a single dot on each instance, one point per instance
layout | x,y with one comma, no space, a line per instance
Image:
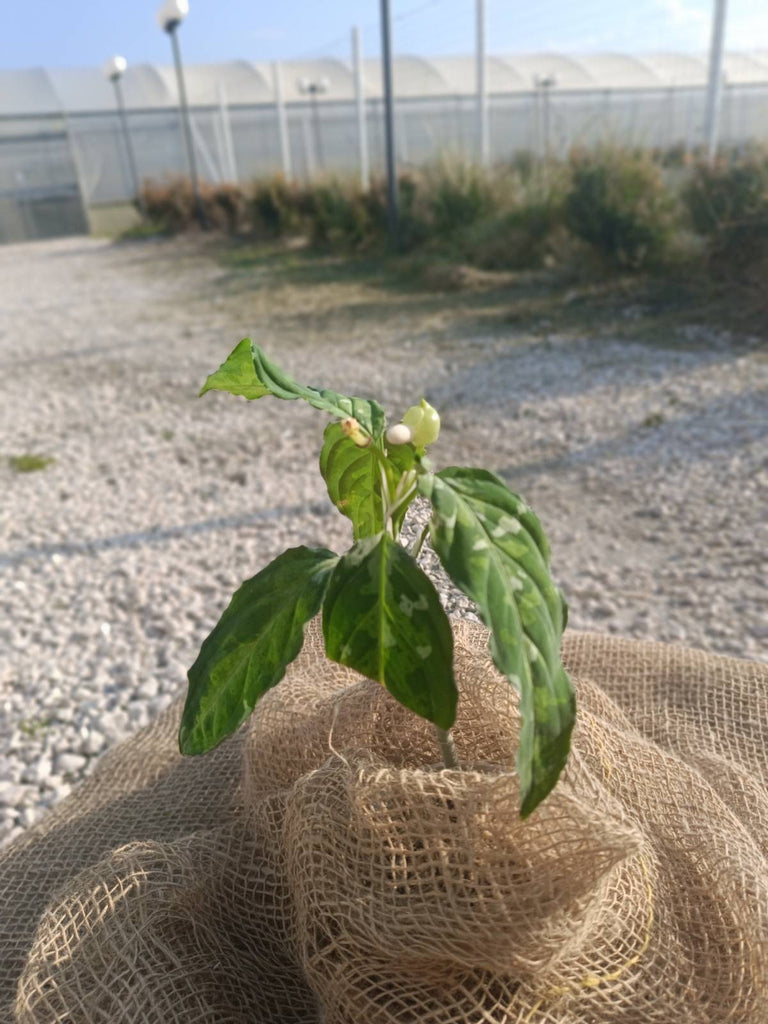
321,866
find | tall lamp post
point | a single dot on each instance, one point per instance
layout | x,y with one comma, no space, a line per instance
114,69
715,79
389,120
314,87
169,17
545,84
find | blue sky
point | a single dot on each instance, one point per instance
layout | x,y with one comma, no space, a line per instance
84,32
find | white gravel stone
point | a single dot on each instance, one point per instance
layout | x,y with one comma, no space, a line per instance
148,689
38,771
28,816
70,764
12,795
646,463
92,743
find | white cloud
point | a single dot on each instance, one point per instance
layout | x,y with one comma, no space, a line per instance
747,26
687,22
683,13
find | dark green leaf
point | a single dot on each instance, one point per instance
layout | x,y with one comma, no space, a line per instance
492,546
368,414
383,618
256,638
236,374
353,478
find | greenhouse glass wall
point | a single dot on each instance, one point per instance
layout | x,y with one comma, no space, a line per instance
63,164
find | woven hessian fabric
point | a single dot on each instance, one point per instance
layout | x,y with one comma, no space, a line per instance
321,866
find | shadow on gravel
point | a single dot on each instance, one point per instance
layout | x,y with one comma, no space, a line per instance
52,356
564,367
690,438
675,311
156,535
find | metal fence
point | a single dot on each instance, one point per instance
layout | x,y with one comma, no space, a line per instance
55,169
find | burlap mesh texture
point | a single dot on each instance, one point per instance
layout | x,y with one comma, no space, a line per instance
321,866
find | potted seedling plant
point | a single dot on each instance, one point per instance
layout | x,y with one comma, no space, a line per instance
381,614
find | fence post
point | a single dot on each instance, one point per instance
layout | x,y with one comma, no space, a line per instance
228,147
362,125
282,122
483,139
715,79
74,155
309,150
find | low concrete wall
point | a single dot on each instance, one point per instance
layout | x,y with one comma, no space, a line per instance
112,219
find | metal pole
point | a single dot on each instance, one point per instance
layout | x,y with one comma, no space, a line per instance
313,93
171,28
74,156
545,117
309,155
129,146
483,139
389,120
226,132
282,122
362,126
715,80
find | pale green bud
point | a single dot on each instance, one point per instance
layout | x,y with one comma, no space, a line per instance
424,422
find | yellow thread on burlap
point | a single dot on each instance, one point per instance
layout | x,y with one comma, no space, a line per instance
594,980
602,757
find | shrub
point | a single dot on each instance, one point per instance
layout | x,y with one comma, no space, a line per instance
171,205
526,227
339,216
521,239
414,213
279,207
728,204
458,196
226,207
619,205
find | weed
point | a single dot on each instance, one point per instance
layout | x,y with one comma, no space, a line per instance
32,727
653,420
30,463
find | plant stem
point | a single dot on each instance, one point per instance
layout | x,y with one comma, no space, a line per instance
447,747
418,544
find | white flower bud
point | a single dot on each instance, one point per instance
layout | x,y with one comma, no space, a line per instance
399,434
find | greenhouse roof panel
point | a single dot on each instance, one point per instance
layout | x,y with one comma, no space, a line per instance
37,91
27,91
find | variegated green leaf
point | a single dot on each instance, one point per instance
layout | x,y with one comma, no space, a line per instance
353,478
368,414
493,548
383,618
257,637
236,374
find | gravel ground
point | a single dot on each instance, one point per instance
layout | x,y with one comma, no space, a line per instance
646,462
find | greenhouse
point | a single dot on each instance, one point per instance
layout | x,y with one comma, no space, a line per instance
64,166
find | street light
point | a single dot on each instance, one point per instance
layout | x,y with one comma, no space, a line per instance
545,84
314,87
169,17
114,69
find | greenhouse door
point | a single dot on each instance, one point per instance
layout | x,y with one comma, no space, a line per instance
39,191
